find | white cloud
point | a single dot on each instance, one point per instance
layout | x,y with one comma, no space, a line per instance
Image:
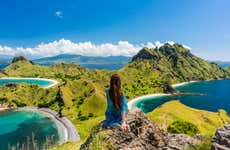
64,46
158,44
59,14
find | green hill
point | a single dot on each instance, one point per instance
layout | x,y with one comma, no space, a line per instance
151,69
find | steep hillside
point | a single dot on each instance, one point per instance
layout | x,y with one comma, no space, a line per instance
227,69
152,69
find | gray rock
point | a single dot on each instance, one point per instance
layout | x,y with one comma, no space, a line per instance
221,141
143,134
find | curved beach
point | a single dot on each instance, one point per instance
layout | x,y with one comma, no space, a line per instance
131,103
66,128
54,82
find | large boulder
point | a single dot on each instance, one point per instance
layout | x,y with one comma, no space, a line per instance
221,141
143,134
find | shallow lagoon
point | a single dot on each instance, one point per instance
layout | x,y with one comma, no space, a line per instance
45,83
16,126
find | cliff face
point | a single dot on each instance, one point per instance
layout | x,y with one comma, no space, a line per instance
221,141
143,134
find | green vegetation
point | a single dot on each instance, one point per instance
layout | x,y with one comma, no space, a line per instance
183,127
80,93
207,122
227,69
67,146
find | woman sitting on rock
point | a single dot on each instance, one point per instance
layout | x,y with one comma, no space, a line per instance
117,108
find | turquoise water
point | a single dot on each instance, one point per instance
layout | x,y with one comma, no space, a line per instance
217,96
41,82
15,126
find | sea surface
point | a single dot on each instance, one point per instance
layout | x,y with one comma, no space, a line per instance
217,96
90,66
104,66
17,126
98,66
2,66
43,83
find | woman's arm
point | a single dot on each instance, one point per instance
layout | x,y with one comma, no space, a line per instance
124,114
124,125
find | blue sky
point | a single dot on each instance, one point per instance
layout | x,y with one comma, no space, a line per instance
204,25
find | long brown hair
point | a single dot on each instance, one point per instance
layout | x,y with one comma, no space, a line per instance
115,91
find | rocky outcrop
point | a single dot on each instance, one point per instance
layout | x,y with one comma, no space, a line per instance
143,134
169,89
221,141
20,58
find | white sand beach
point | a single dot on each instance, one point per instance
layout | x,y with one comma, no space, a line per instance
183,83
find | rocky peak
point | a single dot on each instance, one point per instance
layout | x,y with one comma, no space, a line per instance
221,141
20,58
169,49
164,50
142,134
145,53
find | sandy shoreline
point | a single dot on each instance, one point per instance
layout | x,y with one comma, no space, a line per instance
182,83
133,101
54,82
4,109
66,129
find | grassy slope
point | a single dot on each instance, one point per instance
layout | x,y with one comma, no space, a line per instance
1,75
227,69
206,121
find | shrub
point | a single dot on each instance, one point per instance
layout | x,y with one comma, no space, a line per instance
183,127
90,115
19,104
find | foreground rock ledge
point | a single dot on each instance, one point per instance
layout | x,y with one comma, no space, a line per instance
143,134
222,138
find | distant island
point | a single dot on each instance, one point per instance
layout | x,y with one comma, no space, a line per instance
91,62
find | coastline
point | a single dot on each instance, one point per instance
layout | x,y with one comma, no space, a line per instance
54,82
134,100
4,109
184,83
65,127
